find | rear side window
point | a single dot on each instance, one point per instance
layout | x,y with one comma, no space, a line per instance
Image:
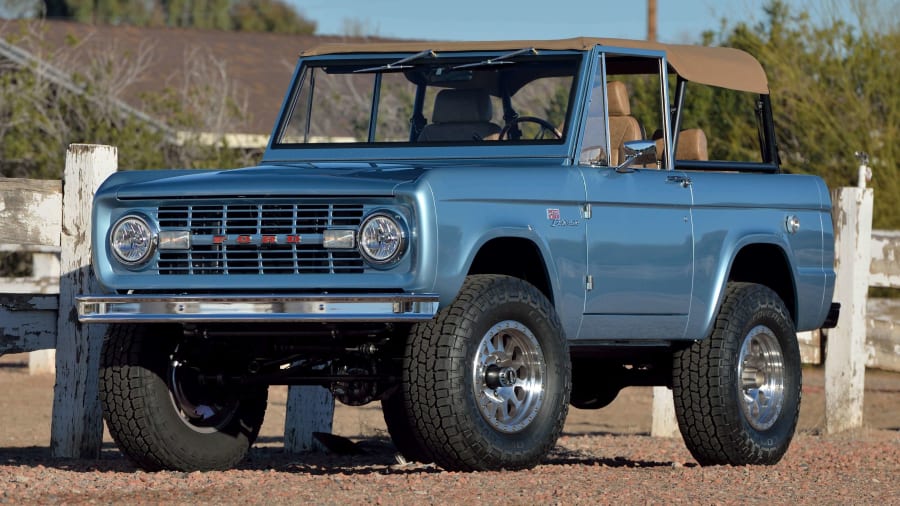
728,120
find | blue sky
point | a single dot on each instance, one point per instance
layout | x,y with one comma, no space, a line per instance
678,20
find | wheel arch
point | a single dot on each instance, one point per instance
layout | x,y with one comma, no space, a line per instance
768,264
528,263
761,259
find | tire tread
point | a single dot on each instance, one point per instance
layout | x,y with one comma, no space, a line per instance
433,377
128,379
702,382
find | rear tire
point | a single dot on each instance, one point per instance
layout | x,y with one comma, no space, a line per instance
488,379
160,416
737,392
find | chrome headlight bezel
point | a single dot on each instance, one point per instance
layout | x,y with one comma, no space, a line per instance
393,229
138,224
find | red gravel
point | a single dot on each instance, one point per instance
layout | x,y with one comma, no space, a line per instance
602,458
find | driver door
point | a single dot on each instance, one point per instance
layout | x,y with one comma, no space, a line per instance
639,236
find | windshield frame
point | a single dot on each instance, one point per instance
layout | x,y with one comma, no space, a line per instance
363,151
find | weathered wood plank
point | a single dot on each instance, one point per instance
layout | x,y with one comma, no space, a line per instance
29,285
309,409
845,359
76,430
885,268
44,266
30,211
28,248
810,346
883,334
27,322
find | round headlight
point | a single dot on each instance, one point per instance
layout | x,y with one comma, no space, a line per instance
382,238
132,240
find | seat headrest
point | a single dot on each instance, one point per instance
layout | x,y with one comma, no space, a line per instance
692,145
462,106
617,96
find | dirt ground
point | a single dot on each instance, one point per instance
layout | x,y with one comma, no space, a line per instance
611,444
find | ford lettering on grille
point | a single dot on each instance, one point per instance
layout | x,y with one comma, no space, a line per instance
262,239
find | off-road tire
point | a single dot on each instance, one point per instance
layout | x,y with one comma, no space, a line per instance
444,390
719,423
141,414
398,419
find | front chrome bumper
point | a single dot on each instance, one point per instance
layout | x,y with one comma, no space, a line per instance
256,308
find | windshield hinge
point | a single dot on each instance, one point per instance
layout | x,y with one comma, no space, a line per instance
589,283
586,211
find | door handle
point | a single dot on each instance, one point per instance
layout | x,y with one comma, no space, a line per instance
684,181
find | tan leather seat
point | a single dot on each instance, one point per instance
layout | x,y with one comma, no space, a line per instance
691,145
461,115
623,127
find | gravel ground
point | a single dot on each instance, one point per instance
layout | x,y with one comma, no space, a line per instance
603,457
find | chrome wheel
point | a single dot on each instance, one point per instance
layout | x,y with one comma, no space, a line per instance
509,374
761,374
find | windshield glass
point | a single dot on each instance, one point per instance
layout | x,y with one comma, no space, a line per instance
430,100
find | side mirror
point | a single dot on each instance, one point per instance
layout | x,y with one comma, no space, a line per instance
637,152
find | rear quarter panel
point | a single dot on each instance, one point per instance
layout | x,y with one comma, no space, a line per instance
733,210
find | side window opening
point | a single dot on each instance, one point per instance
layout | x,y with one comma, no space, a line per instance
725,120
634,110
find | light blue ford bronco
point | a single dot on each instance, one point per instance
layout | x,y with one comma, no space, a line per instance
477,235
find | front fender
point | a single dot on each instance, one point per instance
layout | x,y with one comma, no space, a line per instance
455,265
564,269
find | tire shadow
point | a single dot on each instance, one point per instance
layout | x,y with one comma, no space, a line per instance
375,456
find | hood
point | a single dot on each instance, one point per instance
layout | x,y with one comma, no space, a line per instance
263,181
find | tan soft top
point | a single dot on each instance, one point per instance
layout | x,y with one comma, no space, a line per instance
716,66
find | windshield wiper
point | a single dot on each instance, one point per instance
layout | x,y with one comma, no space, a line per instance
399,64
500,60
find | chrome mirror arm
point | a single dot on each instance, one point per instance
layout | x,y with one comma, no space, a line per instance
642,151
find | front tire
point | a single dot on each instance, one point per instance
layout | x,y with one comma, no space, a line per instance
158,412
400,425
488,379
737,393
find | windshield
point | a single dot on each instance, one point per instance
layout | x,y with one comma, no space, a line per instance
427,99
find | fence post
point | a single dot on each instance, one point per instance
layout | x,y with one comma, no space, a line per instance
845,353
309,409
76,430
663,422
44,265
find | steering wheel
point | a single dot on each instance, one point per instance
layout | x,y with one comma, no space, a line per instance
545,125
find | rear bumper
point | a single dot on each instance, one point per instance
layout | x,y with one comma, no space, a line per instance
256,308
833,314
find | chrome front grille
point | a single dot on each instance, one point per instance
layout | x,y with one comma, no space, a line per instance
282,238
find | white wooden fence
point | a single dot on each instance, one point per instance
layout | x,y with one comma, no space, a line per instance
38,214
52,220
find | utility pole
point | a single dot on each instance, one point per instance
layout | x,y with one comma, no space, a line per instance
651,20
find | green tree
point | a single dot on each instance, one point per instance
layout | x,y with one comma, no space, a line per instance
833,87
269,16
208,14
